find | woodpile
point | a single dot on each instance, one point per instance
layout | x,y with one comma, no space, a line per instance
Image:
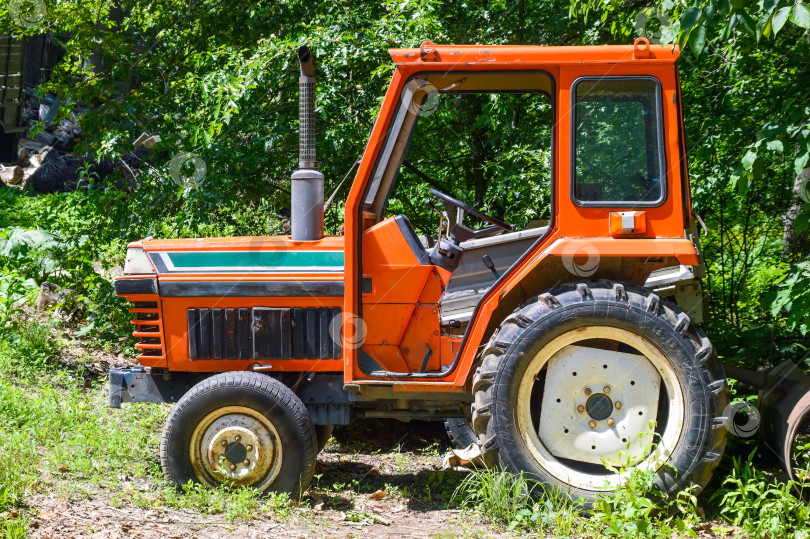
46,163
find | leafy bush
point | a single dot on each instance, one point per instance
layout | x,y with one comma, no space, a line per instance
760,505
14,290
638,509
792,298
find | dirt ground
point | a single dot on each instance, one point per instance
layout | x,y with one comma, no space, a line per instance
94,519
377,480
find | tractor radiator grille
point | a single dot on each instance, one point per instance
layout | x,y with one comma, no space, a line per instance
148,326
264,333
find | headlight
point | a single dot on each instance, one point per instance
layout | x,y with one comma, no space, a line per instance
137,262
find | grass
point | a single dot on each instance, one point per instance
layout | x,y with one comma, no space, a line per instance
234,504
57,435
519,503
764,507
748,500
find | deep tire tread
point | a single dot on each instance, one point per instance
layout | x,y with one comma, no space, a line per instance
460,432
706,365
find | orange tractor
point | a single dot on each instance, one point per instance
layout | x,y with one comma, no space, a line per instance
558,347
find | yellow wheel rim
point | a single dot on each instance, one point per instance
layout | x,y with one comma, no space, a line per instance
236,446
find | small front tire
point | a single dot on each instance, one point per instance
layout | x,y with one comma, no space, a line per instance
240,429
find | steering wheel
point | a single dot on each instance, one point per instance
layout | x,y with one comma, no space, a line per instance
458,231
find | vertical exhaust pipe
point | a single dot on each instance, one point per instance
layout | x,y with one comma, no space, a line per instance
307,181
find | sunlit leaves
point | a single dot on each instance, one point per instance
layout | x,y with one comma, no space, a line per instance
792,299
800,16
697,39
780,18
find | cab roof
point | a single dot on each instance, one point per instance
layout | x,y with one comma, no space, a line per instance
640,51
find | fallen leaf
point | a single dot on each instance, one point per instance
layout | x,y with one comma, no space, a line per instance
379,495
318,501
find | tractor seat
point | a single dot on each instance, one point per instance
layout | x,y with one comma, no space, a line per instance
473,278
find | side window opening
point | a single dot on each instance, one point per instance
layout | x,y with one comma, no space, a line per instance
482,138
618,155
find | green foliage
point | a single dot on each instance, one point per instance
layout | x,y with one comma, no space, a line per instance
29,351
637,508
234,503
14,527
792,298
761,506
518,502
29,250
14,479
47,414
14,290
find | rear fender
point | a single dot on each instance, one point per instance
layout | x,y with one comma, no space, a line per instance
565,260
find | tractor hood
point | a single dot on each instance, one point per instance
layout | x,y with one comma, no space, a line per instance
241,255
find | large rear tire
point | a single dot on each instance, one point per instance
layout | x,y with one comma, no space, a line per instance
240,429
572,377
460,432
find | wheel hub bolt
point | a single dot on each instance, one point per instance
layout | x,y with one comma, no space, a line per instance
249,447
233,467
237,438
592,424
606,390
618,405
611,422
580,409
246,463
223,443
587,391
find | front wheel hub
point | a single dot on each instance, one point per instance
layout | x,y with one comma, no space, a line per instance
235,445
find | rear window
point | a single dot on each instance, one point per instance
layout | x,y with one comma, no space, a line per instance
618,157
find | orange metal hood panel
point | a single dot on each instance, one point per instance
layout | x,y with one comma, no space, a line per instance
242,243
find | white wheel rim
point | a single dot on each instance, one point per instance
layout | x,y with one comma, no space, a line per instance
672,428
236,445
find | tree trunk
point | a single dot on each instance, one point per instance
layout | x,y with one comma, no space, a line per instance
476,179
797,245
